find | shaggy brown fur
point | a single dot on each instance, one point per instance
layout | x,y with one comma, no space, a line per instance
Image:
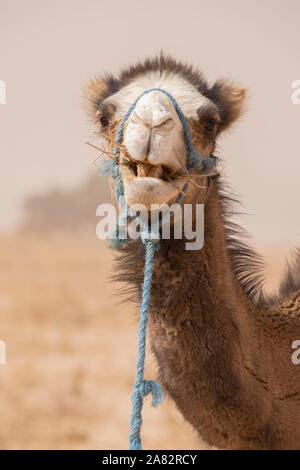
222,349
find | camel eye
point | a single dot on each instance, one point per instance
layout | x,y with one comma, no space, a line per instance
104,121
209,126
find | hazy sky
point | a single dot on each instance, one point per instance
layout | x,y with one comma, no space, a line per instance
50,48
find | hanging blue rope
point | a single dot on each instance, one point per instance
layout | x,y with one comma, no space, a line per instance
143,387
202,166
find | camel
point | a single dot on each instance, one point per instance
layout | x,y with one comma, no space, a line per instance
223,348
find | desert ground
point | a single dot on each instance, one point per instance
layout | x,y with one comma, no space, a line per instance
71,352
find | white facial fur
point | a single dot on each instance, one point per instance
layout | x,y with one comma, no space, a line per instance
154,133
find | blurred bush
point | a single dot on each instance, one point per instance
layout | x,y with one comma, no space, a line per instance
65,209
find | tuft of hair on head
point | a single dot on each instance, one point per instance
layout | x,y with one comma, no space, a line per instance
230,99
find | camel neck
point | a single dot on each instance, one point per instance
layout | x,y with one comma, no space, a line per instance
201,280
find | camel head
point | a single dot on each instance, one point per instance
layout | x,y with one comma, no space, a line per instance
153,157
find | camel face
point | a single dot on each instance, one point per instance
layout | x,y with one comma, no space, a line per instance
153,137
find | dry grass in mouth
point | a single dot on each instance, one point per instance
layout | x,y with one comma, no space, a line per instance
135,165
146,169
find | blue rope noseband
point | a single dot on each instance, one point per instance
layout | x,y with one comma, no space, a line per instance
202,166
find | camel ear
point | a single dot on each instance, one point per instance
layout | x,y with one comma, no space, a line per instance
95,92
230,99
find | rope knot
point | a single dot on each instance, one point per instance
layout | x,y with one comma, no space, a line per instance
150,386
147,236
202,165
115,239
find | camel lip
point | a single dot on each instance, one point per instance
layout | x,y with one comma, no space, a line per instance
150,191
151,179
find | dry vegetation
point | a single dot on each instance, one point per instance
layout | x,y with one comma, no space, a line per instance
71,349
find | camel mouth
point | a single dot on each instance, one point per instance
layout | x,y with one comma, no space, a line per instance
149,184
146,169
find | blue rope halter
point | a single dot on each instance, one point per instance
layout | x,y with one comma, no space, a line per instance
202,166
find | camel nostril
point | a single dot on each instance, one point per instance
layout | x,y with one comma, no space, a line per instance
167,124
157,120
136,119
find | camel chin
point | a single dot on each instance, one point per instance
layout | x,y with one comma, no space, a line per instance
148,190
